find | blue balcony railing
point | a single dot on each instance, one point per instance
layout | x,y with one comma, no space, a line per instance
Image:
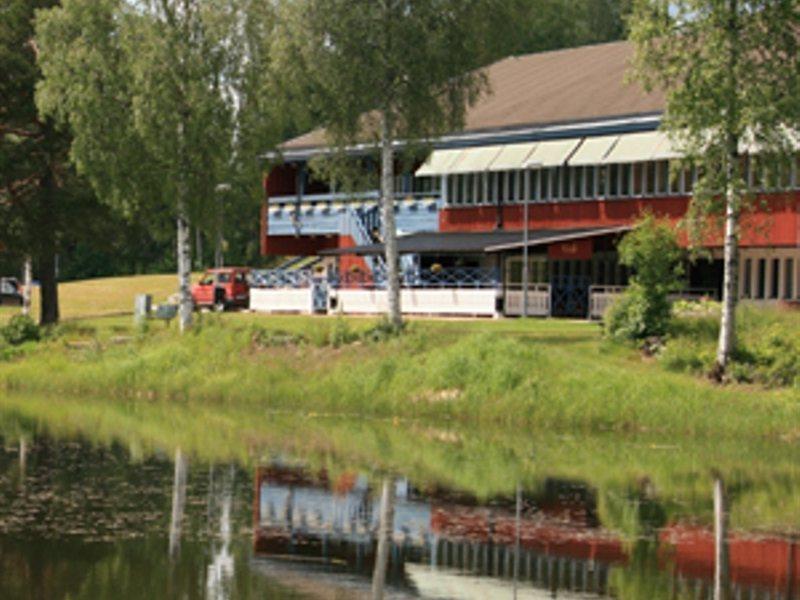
451,277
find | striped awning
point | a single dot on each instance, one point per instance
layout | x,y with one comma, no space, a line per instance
512,157
641,147
439,163
475,160
593,150
552,153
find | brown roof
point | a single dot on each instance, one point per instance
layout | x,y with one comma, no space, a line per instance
548,88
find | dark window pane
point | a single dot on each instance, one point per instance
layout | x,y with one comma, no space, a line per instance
613,181
761,291
788,289
748,278
776,278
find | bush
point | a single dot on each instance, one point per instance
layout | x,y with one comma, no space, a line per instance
21,329
651,251
687,355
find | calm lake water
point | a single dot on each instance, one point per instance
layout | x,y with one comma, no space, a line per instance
85,518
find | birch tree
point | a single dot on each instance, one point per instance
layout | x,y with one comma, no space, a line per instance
387,73
730,71
155,93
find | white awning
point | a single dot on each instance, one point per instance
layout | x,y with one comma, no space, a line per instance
593,150
634,147
641,147
475,160
512,157
666,149
438,163
552,153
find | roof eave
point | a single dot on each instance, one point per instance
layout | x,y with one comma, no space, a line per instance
634,122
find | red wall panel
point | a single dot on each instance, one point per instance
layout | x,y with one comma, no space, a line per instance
773,221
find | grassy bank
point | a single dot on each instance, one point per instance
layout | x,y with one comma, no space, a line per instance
768,344
515,374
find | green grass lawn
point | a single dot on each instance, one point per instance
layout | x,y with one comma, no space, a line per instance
102,297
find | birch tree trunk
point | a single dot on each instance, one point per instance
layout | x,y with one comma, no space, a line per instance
27,282
389,227
184,268
385,530
730,292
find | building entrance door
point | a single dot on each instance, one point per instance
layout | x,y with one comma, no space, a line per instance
570,296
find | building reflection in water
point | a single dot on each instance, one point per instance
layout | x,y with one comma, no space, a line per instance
448,545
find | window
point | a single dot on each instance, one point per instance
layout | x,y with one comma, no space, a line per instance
566,183
639,172
649,187
556,177
761,290
788,288
577,182
513,186
491,196
661,182
675,182
748,278
469,189
534,190
544,180
776,278
480,195
602,182
625,180
613,181
590,174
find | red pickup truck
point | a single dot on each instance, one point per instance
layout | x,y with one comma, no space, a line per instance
223,288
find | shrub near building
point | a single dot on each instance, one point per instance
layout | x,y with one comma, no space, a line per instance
652,253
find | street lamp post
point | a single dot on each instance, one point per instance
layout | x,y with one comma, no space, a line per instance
526,237
525,274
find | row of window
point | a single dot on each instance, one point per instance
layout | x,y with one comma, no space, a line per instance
769,279
600,270
653,178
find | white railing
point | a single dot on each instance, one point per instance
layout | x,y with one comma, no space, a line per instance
480,302
603,296
538,300
282,278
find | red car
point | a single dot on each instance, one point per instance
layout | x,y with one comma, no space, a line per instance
223,288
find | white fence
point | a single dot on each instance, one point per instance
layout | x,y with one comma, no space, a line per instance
418,301
603,296
282,300
538,301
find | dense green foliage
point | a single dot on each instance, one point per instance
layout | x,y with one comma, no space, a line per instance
20,329
165,102
768,352
44,206
525,26
651,251
731,75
